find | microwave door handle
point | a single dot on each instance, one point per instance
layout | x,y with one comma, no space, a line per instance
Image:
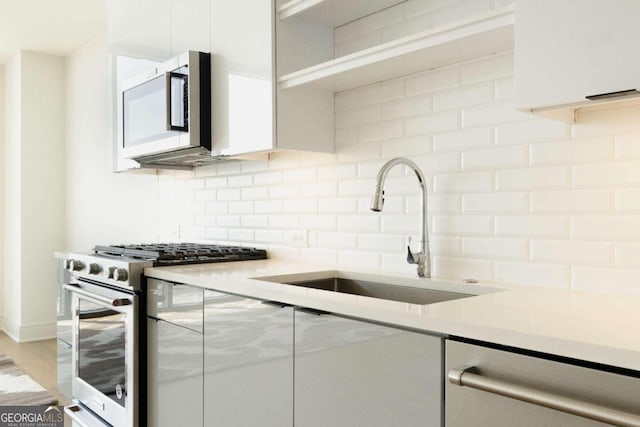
169,76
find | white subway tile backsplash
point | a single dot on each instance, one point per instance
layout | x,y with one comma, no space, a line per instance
408,107
541,178
445,245
345,100
318,222
534,274
491,68
400,224
531,131
572,152
360,223
255,193
511,196
606,280
491,114
627,200
254,221
504,89
375,132
606,174
572,252
382,242
358,259
382,92
240,181
215,208
338,205
216,182
627,147
463,97
242,235
243,208
432,81
432,123
463,224
463,139
627,254
403,147
495,158
283,221
473,182
605,227
491,247
517,202
338,240
574,201
357,117
346,136
462,268
549,226
226,194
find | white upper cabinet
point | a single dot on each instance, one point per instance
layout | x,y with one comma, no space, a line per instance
242,85
571,53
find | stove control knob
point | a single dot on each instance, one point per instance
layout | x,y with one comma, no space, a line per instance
110,272
75,265
120,274
94,268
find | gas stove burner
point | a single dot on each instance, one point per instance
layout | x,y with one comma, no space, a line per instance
163,254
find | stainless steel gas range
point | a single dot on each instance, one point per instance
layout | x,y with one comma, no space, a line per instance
107,290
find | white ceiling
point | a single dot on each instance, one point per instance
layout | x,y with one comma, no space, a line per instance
52,26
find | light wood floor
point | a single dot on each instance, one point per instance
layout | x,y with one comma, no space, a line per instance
38,359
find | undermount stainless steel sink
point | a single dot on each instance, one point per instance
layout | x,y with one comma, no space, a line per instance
391,289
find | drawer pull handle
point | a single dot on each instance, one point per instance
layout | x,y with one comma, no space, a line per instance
466,377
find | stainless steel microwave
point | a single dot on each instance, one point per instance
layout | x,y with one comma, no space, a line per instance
165,114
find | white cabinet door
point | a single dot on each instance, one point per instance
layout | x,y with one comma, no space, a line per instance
353,373
467,406
569,49
248,362
242,85
190,24
175,376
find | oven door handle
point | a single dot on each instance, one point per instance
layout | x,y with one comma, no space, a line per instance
114,302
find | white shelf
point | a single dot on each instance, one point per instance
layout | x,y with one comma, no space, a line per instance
332,13
473,38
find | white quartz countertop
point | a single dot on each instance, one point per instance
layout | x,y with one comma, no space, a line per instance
595,327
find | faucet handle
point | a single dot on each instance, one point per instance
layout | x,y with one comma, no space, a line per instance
411,258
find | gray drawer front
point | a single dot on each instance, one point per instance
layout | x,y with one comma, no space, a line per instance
176,303
467,406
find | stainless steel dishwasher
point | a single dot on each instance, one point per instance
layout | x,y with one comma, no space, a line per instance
493,387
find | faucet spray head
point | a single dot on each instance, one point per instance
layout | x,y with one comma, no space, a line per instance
377,202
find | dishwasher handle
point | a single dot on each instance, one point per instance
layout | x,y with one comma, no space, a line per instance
468,377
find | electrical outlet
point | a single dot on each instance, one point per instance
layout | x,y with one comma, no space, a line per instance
299,238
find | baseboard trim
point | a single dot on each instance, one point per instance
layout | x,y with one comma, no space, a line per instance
28,333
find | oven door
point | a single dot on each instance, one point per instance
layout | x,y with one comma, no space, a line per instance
105,359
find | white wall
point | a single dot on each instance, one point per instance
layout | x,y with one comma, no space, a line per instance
101,207
12,197
34,172
2,128
512,197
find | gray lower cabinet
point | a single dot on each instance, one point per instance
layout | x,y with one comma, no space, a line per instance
352,373
496,371
175,357
248,362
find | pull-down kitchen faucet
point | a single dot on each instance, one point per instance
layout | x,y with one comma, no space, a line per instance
422,258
